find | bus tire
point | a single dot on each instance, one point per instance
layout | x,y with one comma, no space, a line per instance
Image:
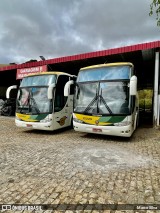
71,123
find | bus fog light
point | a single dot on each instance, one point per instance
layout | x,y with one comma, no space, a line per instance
124,123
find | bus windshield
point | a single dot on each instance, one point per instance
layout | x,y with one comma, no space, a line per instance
33,100
38,80
106,97
105,73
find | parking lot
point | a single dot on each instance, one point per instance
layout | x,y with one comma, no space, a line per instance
65,166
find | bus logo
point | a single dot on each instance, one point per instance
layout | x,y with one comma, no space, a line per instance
97,122
62,121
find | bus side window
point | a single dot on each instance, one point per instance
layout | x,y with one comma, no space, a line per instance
60,100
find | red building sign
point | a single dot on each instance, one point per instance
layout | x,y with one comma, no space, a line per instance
25,71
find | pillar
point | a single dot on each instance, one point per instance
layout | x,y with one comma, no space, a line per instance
156,106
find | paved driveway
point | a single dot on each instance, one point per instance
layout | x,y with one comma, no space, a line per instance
38,167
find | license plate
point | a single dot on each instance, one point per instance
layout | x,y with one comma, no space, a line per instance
29,125
96,130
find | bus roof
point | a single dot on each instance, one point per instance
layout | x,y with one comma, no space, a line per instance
49,73
107,65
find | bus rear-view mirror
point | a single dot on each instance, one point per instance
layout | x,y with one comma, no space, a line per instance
9,90
133,85
50,91
67,88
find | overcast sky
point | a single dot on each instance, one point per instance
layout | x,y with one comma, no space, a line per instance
55,28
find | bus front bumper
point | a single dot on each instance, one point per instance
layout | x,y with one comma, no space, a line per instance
34,125
123,131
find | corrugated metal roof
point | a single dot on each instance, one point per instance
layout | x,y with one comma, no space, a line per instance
120,50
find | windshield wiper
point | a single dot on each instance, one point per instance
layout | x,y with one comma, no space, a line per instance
91,103
27,105
105,104
21,107
34,103
94,100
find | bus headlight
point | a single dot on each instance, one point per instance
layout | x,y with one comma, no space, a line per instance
123,123
77,120
46,119
17,118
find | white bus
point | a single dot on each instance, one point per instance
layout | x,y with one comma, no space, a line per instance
106,100
41,103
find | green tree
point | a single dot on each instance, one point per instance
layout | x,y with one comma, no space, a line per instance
155,8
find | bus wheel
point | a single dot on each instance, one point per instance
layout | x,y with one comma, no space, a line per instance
71,124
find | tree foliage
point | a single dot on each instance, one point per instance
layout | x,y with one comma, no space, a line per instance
155,8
